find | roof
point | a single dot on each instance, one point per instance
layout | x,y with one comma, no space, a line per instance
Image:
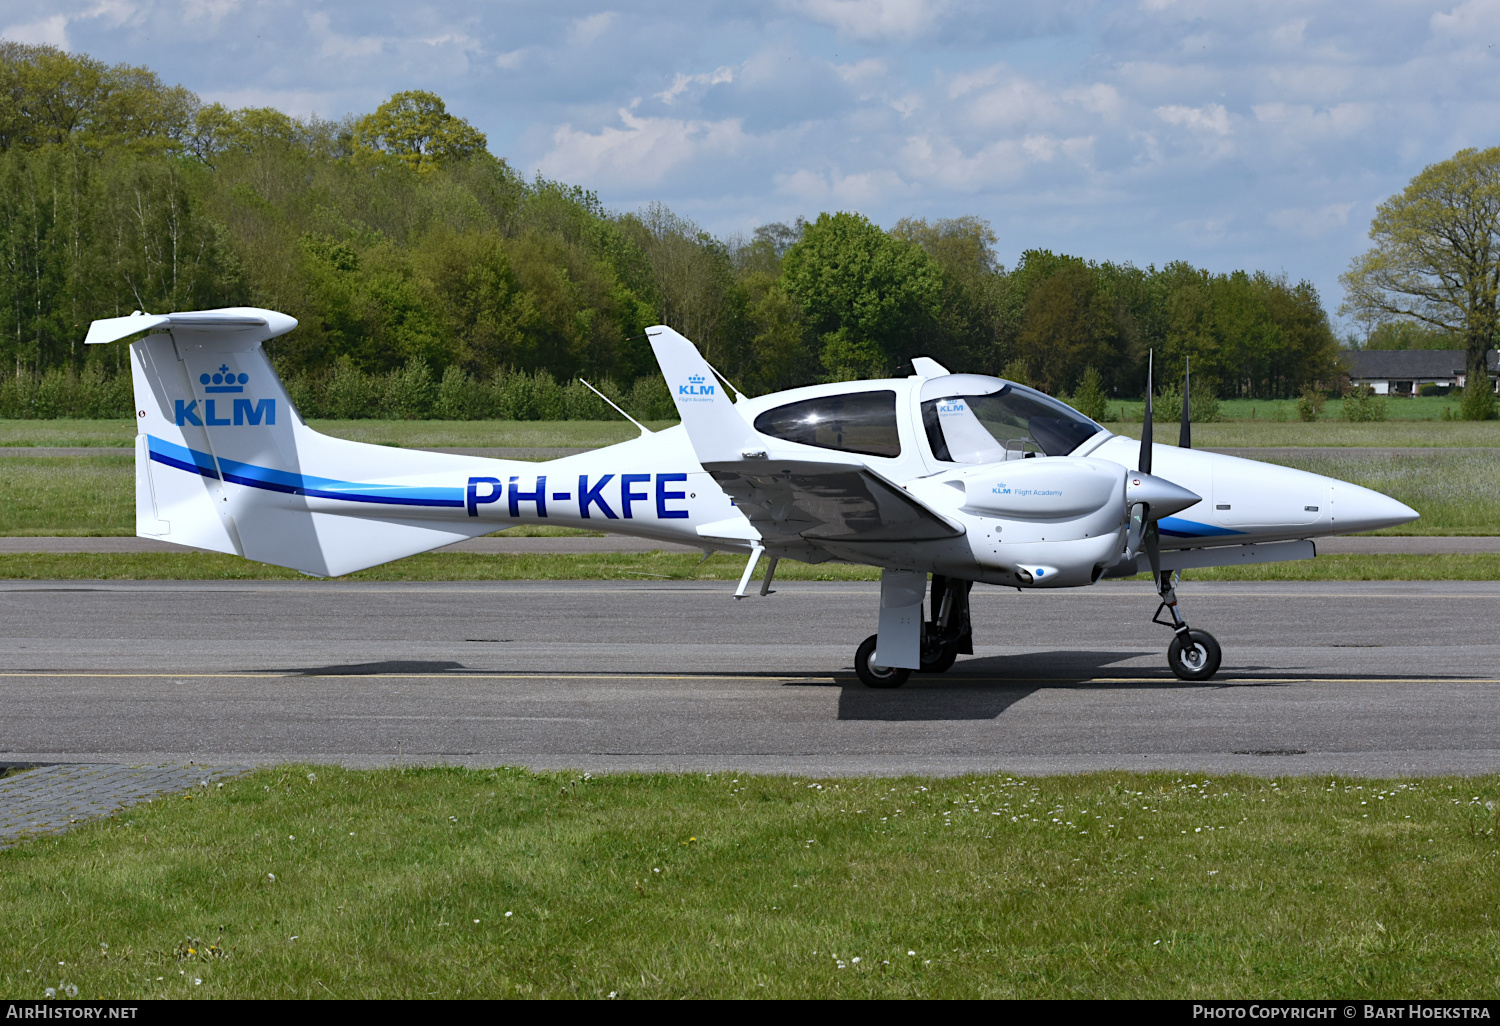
1409,363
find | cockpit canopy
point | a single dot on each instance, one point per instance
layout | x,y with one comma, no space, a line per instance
972,418
969,418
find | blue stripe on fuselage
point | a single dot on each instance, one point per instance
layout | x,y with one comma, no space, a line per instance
288,483
1176,527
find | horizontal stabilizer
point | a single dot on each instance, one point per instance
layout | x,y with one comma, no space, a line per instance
252,326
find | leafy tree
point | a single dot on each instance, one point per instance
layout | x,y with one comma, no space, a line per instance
1402,334
416,128
866,294
1436,258
969,326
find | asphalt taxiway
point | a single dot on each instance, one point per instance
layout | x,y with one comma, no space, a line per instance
1346,677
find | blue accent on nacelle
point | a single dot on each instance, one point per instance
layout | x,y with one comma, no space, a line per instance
1176,527
288,483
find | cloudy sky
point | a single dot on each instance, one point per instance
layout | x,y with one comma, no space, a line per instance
1256,135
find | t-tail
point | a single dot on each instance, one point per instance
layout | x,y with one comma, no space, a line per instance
223,460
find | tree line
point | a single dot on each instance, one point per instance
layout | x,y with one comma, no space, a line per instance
404,247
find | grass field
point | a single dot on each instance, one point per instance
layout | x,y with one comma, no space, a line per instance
1390,434
1456,491
319,882
1414,409
416,434
589,434
667,566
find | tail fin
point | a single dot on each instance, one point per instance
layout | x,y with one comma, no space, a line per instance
717,430
224,461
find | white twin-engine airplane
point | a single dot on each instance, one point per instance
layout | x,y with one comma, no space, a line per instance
965,477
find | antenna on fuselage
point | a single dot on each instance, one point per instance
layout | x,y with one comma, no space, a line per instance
644,429
739,393
1185,435
1143,462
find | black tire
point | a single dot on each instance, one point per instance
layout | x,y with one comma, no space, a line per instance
943,662
1198,663
877,676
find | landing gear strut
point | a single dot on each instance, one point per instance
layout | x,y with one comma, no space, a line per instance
1193,654
949,633
944,638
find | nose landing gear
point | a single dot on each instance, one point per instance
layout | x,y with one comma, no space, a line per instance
1193,654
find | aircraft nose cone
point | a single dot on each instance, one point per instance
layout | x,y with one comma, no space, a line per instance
1363,509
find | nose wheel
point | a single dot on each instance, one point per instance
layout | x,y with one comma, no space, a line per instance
1193,654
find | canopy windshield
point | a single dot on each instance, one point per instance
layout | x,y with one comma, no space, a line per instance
971,418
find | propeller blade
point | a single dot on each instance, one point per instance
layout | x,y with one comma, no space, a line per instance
1185,436
1143,463
1153,551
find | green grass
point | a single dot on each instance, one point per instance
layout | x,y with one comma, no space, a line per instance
1338,433
1456,492
416,434
72,495
437,566
676,566
320,882
68,432
587,434
1414,409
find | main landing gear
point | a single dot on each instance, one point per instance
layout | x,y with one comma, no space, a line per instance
948,635
1193,654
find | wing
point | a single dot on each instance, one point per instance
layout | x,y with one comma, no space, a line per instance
797,504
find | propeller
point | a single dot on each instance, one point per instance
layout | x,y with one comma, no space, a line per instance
1185,435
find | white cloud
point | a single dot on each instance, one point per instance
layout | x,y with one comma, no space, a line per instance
873,19
585,31
212,10
871,69
1315,223
642,152
1211,118
511,59
842,191
51,31
681,83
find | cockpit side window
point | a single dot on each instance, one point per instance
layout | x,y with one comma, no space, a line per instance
1008,423
859,422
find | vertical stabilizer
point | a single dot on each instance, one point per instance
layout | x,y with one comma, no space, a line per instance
224,462
717,430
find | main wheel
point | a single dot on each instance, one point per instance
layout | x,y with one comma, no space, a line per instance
1198,661
877,676
938,658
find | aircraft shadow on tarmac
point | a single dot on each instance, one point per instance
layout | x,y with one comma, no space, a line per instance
982,689
388,667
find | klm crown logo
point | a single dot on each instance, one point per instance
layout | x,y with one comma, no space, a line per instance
695,386
224,381
241,412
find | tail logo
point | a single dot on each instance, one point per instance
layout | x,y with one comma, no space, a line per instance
696,390
223,380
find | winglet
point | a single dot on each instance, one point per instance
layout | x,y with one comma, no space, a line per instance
717,431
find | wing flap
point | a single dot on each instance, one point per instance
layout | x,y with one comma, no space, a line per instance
801,502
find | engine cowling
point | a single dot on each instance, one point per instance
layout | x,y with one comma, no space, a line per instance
1054,489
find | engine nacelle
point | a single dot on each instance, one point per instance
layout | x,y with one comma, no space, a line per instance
1055,489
